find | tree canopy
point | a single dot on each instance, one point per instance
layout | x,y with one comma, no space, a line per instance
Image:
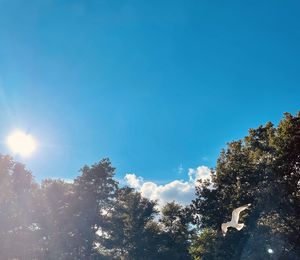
261,169
95,218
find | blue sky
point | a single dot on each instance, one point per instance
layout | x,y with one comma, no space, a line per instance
153,85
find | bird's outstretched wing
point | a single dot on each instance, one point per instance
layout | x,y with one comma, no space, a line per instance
224,228
236,213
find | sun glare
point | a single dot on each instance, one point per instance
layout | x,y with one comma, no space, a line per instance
21,143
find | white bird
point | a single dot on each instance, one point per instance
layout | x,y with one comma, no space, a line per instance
234,222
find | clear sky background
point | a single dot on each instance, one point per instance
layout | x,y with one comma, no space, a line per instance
156,86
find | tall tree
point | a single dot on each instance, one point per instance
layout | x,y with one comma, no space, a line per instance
19,235
131,232
262,169
56,223
94,192
176,223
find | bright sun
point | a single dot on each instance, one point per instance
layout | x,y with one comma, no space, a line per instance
21,143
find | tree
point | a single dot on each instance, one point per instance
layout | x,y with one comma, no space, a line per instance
56,220
19,236
202,246
262,169
176,222
131,232
92,218
94,192
56,225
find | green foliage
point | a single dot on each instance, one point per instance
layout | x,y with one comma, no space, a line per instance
131,232
94,192
176,224
54,224
203,244
55,220
92,218
262,169
18,211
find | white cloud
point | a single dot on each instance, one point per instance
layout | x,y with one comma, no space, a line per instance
71,181
133,181
181,191
201,172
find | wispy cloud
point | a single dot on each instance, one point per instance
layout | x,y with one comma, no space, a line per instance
180,169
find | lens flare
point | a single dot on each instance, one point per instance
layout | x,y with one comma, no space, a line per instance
21,143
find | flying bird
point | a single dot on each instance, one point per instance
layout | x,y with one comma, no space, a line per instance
234,222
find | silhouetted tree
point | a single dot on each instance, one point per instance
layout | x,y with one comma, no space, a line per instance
262,169
94,192
92,218
57,223
19,235
176,224
131,232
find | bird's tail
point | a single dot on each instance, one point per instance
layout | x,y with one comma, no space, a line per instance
239,226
